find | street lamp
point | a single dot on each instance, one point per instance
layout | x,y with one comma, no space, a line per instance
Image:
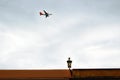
69,62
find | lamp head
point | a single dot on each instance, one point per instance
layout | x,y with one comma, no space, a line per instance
69,62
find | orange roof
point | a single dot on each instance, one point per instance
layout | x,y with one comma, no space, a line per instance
35,74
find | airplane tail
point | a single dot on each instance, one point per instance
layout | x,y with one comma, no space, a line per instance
41,13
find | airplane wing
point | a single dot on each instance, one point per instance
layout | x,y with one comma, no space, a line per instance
45,12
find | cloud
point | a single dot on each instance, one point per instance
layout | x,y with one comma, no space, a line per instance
83,30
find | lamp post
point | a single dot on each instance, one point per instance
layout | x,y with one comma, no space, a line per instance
69,62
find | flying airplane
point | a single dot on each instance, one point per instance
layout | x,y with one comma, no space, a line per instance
45,13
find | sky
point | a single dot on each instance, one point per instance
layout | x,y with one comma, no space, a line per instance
87,31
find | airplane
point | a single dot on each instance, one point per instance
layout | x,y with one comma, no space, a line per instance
45,13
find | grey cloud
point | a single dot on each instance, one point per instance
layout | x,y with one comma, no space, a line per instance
85,30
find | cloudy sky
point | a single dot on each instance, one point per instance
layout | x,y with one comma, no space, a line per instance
88,31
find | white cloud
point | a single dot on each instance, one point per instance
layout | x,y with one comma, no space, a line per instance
90,36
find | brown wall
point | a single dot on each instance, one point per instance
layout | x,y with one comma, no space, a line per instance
58,74
36,74
96,73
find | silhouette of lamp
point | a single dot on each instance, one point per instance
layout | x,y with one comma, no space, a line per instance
69,62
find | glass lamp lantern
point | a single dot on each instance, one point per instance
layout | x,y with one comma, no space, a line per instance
69,62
